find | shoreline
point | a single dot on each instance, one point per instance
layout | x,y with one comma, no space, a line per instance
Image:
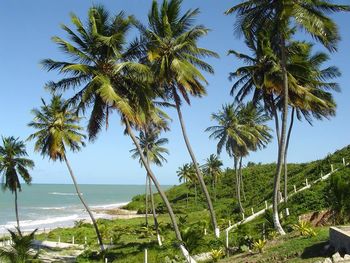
108,211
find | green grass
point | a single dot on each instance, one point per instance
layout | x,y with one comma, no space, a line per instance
131,238
289,248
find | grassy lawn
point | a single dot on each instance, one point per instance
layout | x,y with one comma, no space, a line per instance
290,248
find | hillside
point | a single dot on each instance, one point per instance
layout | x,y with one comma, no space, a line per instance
258,183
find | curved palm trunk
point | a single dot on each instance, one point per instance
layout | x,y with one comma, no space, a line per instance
99,237
241,179
198,172
161,193
153,206
146,201
285,157
281,148
16,210
238,185
154,212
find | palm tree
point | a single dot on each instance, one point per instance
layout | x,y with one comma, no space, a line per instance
185,174
14,164
309,89
212,167
154,151
240,129
171,44
279,17
58,130
111,80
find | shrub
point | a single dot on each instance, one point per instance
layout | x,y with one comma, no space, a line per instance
304,229
259,245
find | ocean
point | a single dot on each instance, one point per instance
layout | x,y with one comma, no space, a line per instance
46,206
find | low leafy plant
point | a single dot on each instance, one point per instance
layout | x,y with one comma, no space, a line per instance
304,229
259,245
217,254
20,251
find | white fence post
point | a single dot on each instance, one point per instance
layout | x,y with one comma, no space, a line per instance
85,240
73,240
243,216
295,189
252,211
266,207
332,168
229,222
59,239
306,182
226,232
344,162
146,256
205,231
287,211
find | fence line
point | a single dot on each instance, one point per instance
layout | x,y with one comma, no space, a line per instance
262,211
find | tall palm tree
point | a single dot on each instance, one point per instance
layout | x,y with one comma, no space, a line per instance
309,89
58,129
279,17
172,51
154,151
13,165
212,167
109,79
240,129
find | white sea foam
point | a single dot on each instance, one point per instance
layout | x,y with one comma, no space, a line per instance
110,206
42,222
58,193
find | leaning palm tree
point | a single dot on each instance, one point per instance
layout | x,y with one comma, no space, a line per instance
171,46
154,151
212,167
13,165
279,17
109,79
58,130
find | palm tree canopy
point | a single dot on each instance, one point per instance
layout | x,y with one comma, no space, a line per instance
309,85
212,166
281,15
152,146
57,129
101,66
171,45
240,128
13,163
186,173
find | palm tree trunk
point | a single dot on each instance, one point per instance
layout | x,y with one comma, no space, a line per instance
241,179
281,148
184,251
16,210
285,157
156,225
275,116
99,237
238,187
146,201
198,172
153,206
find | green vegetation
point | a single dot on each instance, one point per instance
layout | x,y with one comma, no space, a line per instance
131,237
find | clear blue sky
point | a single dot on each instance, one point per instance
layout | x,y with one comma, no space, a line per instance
26,29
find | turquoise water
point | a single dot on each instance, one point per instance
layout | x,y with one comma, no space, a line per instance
46,206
